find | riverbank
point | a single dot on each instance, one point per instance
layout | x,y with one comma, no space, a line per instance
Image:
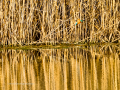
57,46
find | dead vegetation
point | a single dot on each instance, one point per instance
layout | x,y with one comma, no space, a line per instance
53,21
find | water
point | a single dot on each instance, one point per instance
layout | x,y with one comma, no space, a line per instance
70,68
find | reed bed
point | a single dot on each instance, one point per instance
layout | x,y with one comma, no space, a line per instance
74,68
26,22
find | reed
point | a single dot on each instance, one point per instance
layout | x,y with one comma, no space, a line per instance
53,21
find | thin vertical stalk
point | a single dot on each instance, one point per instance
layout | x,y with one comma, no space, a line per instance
1,18
27,34
31,17
19,22
93,17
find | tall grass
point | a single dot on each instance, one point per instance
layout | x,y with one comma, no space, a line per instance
53,21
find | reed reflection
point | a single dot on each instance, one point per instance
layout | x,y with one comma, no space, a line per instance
91,68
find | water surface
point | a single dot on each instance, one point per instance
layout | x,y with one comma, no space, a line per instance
71,68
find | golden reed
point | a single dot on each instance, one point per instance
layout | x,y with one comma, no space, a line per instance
24,22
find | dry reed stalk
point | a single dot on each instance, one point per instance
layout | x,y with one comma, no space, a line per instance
13,9
82,17
63,18
9,36
4,24
19,21
72,20
1,19
93,18
74,36
31,18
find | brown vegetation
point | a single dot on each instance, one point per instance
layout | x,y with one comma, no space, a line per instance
53,21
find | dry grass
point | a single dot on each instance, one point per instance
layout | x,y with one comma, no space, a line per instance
45,21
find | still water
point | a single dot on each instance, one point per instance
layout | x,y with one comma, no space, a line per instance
71,68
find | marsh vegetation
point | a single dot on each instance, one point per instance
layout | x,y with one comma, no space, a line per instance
26,22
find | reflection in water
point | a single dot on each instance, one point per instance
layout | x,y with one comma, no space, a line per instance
91,68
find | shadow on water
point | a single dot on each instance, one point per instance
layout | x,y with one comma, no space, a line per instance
91,68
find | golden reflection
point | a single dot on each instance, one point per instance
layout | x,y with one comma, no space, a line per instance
91,68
